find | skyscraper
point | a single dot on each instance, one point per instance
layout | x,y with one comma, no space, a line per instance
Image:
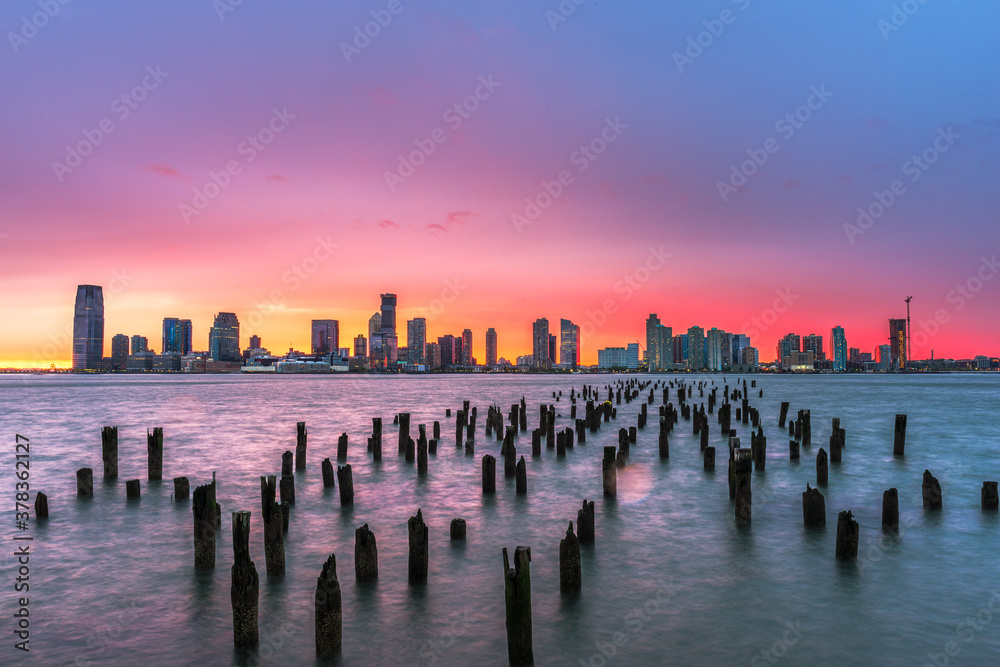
119,351
255,343
88,328
838,349
814,343
176,336
660,354
790,343
569,344
139,344
491,347
467,347
553,348
740,342
897,343
713,349
653,361
540,343
388,311
360,346
446,345
325,336
224,338
696,348
632,356
416,341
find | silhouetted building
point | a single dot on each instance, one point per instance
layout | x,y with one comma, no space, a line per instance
139,344
176,335
360,346
88,328
713,349
491,347
696,349
325,337
416,341
540,344
569,344
119,352
897,343
790,343
467,347
446,346
838,349
388,320
255,343
814,343
224,338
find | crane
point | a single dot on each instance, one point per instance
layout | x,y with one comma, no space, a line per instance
908,358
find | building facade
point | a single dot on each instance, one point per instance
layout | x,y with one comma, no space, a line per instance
897,343
224,338
838,349
569,344
416,341
491,347
325,337
540,344
88,328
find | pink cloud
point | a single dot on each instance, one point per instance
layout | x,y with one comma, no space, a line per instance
164,170
388,224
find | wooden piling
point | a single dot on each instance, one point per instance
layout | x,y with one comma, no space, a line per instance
132,489
300,446
709,461
585,522
457,530
154,451
365,554
890,510
899,439
517,597
274,529
742,467
342,447
813,507
609,472
85,483
783,415
418,554
286,464
422,455
376,438
931,491
42,506
245,584
329,611
404,432
570,566
522,478
203,507
286,486
793,450
328,478
847,536
109,451
988,495
822,467
346,480
489,474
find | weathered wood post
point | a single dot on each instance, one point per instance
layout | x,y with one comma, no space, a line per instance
509,453
743,466
522,478
822,467
329,611
182,489
377,438
489,474
274,531
418,549
342,447
609,472
365,554
346,480
421,456
204,509
988,496
109,451
585,522
570,566
847,536
85,483
759,450
300,446
132,489
932,491
328,478
517,597
286,463
42,505
793,450
664,442
286,486
783,415
457,530
404,431
899,441
813,507
154,451
806,420
709,461
245,584
837,441
890,510
437,430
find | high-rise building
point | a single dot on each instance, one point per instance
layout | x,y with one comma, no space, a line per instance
696,349
433,355
681,350
176,336
467,347
740,341
632,356
388,312
660,354
459,354
540,343
897,343
713,349
569,344
224,338
139,344
360,346
119,351
88,328
491,347
749,356
446,345
814,343
612,357
838,349
325,336
416,341
255,343
652,350
854,355
390,349
886,361
790,343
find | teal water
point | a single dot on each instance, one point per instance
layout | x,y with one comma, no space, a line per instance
671,579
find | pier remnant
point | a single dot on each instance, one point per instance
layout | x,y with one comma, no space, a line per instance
329,611
988,495
418,556
517,597
365,554
300,446
245,584
585,522
109,451
932,491
346,481
899,439
813,507
154,451
457,530
890,510
847,536
570,567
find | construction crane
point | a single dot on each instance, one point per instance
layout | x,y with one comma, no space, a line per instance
908,357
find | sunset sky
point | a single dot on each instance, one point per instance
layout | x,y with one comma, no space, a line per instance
116,116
